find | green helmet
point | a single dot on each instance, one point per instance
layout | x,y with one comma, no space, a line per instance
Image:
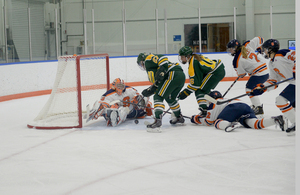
141,57
185,51
140,60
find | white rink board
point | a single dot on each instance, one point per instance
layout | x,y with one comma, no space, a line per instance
37,76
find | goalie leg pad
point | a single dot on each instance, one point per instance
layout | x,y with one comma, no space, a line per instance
116,116
137,113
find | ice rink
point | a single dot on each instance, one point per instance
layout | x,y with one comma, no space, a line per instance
127,160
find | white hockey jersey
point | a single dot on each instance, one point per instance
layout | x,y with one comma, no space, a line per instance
214,111
254,64
128,94
281,67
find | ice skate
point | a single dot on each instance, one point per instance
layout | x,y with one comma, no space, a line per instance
155,126
232,126
114,118
279,121
177,120
291,130
258,111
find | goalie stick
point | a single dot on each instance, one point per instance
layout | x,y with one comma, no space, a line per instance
209,98
88,113
117,101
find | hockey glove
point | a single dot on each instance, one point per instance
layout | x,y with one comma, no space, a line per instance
258,90
139,101
196,119
203,112
183,94
160,74
149,91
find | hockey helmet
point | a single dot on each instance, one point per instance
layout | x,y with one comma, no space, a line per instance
185,51
140,60
232,46
215,94
118,85
270,45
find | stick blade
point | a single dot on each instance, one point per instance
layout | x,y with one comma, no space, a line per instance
210,99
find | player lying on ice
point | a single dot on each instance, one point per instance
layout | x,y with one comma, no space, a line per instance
114,108
231,115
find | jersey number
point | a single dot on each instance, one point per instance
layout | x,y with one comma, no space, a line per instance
208,115
126,99
255,56
155,59
292,56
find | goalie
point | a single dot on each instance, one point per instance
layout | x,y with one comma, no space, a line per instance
119,103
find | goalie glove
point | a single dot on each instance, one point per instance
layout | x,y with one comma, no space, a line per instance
160,74
99,108
149,91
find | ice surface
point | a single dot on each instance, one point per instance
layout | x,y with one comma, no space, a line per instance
127,160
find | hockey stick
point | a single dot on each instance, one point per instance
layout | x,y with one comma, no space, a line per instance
168,110
231,85
209,98
116,101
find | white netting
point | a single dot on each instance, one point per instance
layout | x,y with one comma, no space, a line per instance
61,109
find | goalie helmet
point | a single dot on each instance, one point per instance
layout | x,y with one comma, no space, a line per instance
233,45
141,60
215,94
270,46
185,51
118,85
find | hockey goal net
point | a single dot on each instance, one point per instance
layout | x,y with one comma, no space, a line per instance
80,80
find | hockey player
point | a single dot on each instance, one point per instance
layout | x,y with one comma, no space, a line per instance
168,79
117,113
229,116
246,61
282,66
204,74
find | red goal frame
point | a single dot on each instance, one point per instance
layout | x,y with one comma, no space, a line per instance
79,91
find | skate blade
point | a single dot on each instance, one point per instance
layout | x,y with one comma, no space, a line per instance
154,130
229,129
292,133
178,124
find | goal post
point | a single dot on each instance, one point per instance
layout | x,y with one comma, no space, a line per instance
80,81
